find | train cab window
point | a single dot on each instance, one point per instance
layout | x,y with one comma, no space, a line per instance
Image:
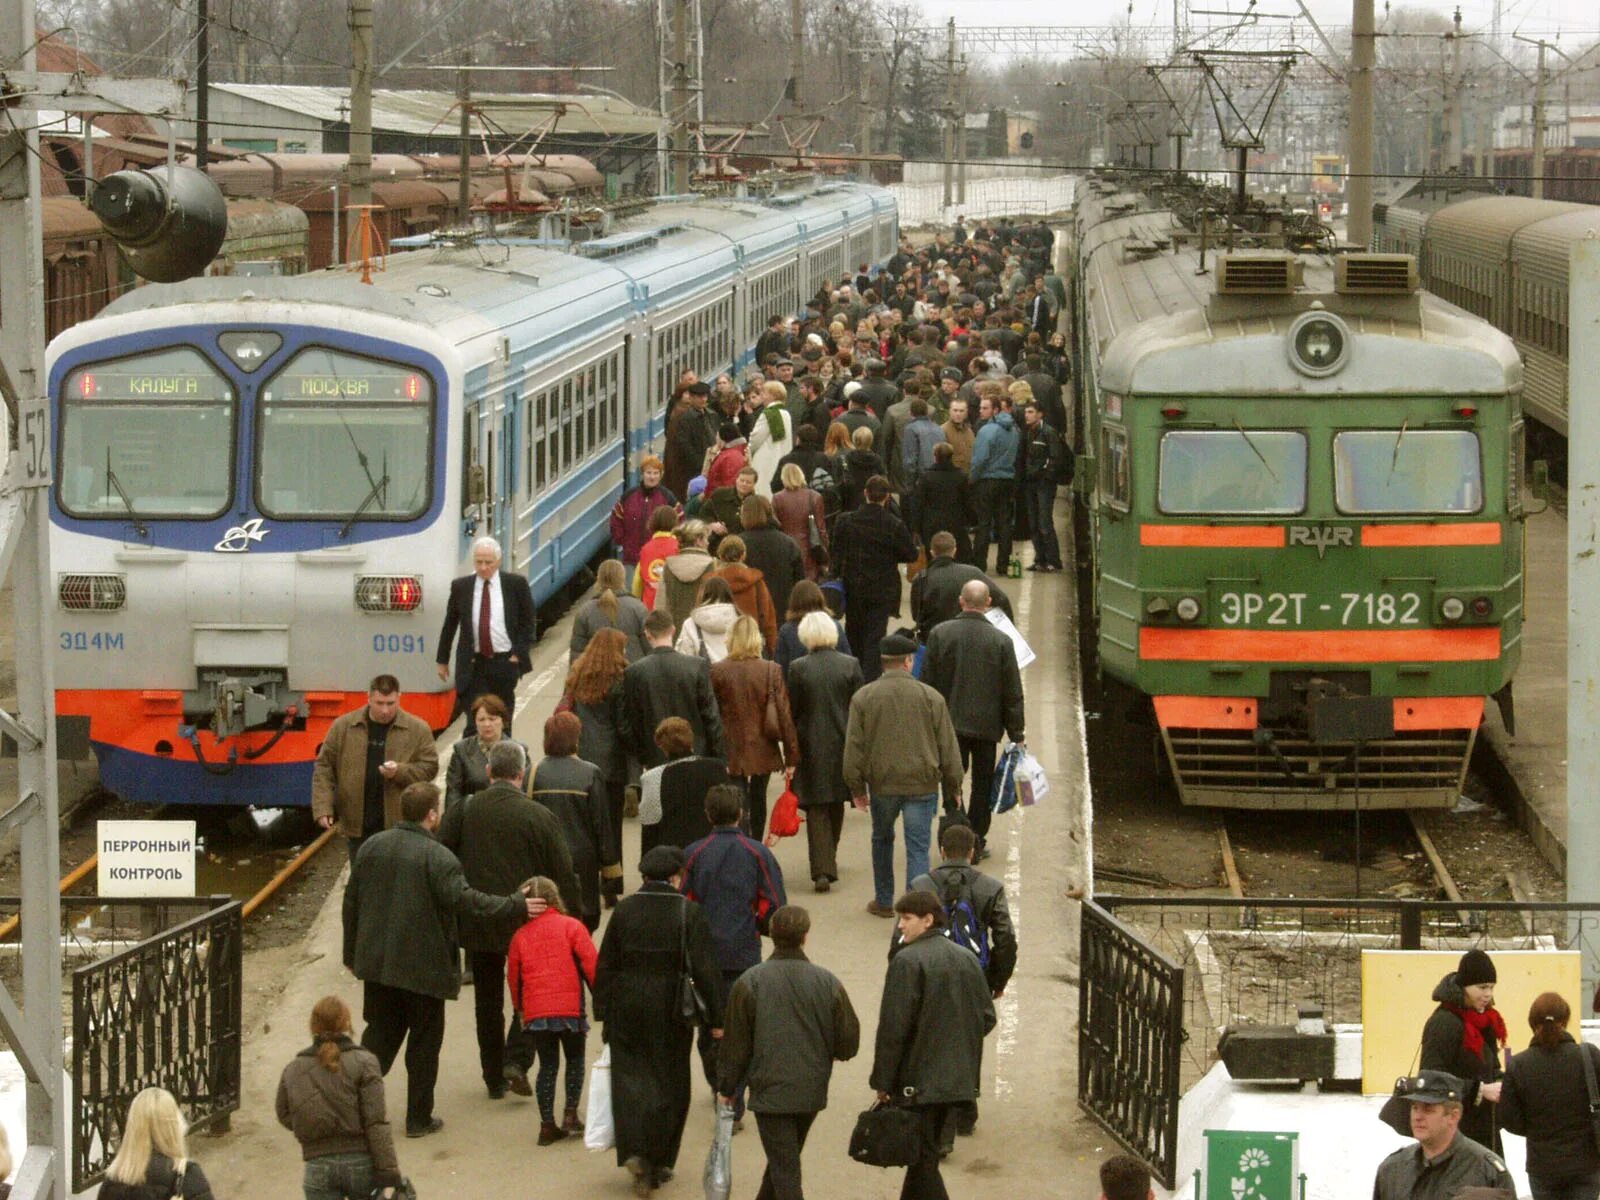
337,433
1232,471
148,436
1408,471
1115,481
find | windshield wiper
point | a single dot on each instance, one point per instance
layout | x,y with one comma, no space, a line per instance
372,494
113,482
1394,459
1256,450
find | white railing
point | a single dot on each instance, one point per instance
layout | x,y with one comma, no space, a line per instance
1041,195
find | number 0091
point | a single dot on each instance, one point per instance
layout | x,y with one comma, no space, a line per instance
1289,609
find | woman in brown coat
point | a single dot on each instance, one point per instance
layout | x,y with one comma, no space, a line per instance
799,510
745,684
750,593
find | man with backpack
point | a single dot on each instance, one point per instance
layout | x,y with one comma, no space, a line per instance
978,918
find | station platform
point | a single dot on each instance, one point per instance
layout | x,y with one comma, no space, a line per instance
1535,759
1032,1140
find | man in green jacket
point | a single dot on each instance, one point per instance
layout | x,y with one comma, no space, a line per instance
787,1022
400,909
899,749
502,837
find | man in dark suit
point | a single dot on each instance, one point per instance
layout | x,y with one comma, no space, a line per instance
869,545
936,592
666,684
493,609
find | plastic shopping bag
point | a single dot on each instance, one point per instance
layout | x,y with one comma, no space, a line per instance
719,1159
784,821
598,1131
1003,792
1033,786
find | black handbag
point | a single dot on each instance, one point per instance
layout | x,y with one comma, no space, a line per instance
692,1008
404,1192
887,1136
1594,1091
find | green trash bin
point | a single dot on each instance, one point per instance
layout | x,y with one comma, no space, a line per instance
1246,1164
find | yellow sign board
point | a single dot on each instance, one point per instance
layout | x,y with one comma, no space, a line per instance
1396,991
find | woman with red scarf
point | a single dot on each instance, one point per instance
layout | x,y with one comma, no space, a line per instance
1464,1036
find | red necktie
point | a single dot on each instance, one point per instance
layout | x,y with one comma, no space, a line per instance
485,643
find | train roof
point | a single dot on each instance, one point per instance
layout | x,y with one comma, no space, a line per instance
1490,222
545,297
1159,322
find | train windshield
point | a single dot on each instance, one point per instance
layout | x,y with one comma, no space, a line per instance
1408,471
1241,471
147,436
343,437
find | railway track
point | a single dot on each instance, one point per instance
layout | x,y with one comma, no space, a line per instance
266,892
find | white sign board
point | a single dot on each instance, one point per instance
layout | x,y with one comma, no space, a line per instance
1000,621
146,858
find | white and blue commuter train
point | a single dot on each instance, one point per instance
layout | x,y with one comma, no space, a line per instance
264,486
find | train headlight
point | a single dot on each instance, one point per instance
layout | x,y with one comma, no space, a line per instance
93,593
1452,609
388,593
1319,344
1188,609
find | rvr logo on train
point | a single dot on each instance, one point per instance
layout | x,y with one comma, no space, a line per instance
1321,536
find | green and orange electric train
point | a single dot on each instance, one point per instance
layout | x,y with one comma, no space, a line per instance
1304,509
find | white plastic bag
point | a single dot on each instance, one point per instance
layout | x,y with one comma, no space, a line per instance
718,1176
598,1131
1032,783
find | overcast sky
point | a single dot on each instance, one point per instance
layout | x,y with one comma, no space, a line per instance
1580,21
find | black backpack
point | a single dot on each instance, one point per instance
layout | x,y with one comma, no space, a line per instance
1066,461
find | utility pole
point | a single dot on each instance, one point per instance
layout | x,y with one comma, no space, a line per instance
864,138
951,127
464,147
797,55
680,97
1538,127
202,84
360,106
961,129
1583,592
1450,158
1363,51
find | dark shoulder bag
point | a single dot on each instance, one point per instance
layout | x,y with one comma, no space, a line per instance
1587,1054
692,1008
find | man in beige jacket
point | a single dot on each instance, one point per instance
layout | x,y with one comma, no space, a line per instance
370,756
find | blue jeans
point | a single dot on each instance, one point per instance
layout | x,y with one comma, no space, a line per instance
918,812
339,1176
1041,499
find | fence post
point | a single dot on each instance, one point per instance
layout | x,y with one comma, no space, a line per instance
1410,925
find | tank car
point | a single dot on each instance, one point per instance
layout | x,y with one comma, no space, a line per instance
1304,510
264,486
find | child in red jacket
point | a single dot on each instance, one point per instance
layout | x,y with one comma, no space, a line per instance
551,958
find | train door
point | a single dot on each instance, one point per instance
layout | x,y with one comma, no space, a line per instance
505,524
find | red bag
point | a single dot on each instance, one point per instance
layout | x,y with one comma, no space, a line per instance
784,819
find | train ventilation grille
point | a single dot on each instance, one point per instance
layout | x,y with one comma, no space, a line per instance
1375,274
1224,761
1257,274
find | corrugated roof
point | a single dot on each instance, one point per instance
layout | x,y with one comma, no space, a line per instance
422,112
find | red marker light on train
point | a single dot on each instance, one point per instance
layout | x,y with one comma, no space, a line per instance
1466,410
1173,411
413,387
87,387
406,594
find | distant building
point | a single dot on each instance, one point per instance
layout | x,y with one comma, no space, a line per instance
619,137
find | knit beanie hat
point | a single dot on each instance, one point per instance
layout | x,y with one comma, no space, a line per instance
1475,967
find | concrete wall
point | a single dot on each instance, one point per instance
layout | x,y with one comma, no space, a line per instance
1036,194
933,172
